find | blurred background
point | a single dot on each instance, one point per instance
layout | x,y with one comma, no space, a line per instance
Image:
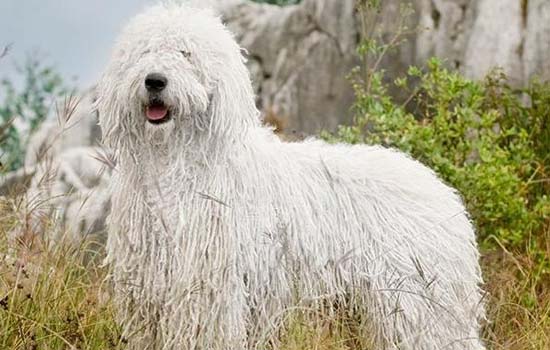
301,55
298,55
73,36
461,85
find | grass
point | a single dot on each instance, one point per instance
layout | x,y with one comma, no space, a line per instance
519,303
59,298
53,298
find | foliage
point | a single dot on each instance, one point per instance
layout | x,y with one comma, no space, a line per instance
52,296
23,109
485,138
480,137
490,141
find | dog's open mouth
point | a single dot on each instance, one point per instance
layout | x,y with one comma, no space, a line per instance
157,112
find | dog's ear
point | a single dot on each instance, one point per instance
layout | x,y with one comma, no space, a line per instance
109,112
232,106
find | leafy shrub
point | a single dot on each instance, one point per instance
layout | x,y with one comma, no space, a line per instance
488,140
23,109
485,138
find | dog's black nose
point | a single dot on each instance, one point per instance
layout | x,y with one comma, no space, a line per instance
155,82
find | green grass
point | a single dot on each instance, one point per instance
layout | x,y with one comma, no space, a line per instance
53,298
59,298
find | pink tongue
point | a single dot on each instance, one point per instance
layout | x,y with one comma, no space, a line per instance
156,112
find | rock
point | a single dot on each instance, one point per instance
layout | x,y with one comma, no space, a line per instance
67,196
16,182
299,57
72,124
443,30
64,181
476,36
85,215
536,53
496,40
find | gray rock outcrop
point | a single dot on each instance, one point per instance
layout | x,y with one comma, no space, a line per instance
64,182
477,35
299,55
73,124
536,49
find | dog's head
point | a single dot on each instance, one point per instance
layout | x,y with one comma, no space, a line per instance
176,72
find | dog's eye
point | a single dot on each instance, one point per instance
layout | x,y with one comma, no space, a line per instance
185,54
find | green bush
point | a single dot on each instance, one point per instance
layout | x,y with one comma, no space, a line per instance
488,140
27,106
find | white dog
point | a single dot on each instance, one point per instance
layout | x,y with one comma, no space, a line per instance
218,227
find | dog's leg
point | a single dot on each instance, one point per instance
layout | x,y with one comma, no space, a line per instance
413,314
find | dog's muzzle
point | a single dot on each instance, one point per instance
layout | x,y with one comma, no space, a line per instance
156,110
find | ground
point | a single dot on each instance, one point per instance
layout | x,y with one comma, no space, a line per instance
60,299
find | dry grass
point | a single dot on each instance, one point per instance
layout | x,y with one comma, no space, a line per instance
518,301
53,298
58,298
519,305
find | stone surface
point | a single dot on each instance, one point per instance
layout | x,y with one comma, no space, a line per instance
536,54
71,190
64,181
299,55
496,40
443,30
72,124
475,36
